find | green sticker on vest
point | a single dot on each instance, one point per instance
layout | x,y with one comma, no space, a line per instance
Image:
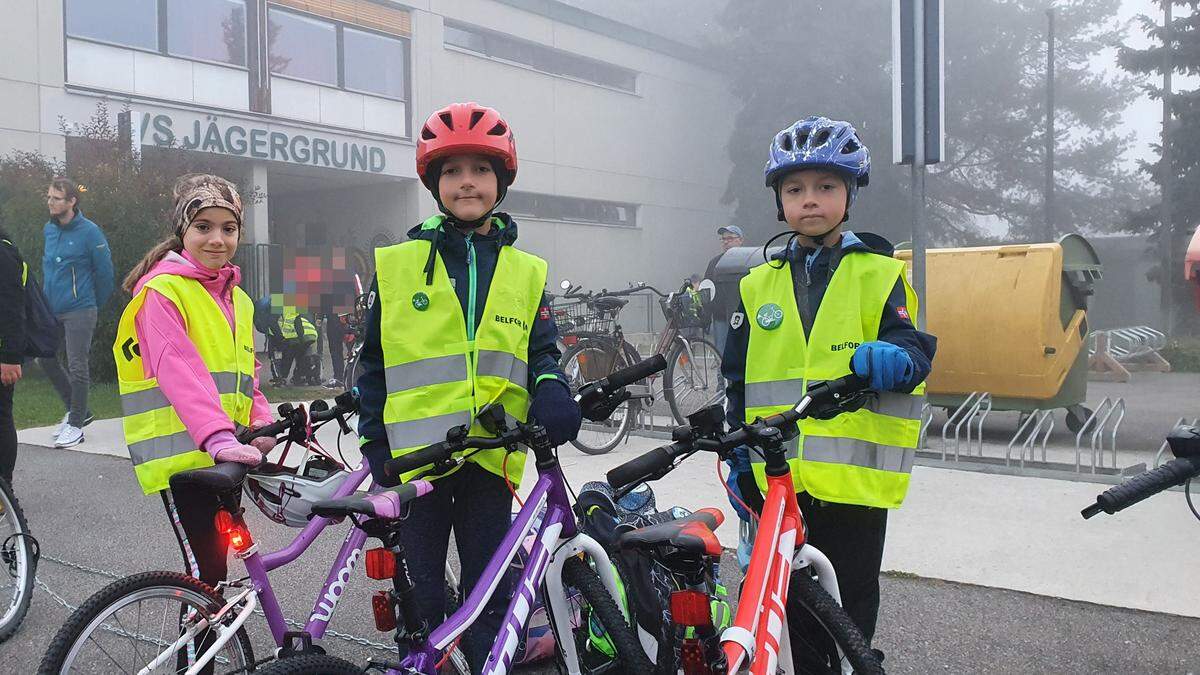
769,316
420,301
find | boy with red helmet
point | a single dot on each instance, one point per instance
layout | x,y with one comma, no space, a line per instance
457,319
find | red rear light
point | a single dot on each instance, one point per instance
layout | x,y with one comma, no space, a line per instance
237,534
381,563
384,610
690,608
691,658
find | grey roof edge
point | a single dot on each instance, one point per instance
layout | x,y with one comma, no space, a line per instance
581,18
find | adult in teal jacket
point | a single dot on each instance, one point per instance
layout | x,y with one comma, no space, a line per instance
77,275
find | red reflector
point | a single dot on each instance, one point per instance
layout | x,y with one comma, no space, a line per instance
381,563
385,613
570,340
691,658
690,608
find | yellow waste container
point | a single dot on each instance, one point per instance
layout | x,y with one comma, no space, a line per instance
1011,321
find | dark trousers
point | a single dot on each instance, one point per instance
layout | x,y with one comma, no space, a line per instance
852,537
335,333
205,551
477,506
72,384
295,351
8,433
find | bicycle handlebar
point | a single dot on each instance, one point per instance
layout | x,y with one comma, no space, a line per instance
457,440
599,400
1144,485
294,419
660,461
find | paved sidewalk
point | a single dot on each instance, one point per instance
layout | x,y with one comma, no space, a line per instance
1018,533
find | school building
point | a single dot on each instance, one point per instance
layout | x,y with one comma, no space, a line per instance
620,131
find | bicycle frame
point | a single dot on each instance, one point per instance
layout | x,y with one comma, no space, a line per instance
759,635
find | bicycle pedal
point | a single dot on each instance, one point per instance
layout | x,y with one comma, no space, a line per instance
298,642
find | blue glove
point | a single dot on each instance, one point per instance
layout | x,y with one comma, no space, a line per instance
739,466
553,407
884,364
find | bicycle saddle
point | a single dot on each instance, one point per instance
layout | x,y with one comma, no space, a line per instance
223,477
693,534
610,304
385,504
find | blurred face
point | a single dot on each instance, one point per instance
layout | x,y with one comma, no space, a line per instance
814,202
212,237
57,202
468,186
730,240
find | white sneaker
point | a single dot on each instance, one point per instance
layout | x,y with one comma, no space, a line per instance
71,436
62,426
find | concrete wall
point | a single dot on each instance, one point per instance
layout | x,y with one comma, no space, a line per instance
31,59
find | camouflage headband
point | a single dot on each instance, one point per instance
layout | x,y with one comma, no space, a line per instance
195,192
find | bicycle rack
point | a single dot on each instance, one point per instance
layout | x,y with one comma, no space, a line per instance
1162,449
1097,423
926,420
1038,422
977,405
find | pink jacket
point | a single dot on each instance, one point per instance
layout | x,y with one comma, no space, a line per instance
169,355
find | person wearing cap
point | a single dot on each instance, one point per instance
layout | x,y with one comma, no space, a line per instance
723,305
186,366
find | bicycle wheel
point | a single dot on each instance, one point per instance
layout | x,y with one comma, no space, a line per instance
629,656
18,560
818,627
129,622
589,360
310,664
693,380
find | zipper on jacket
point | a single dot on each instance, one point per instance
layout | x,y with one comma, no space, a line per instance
74,291
470,288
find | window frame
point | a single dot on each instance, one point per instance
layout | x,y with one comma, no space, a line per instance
340,55
632,207
487,34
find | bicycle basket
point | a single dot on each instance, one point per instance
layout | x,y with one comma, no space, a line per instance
585,317
688,310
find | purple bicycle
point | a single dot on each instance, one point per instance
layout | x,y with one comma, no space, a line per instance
192,628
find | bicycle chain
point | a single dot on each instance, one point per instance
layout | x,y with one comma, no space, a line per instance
346,637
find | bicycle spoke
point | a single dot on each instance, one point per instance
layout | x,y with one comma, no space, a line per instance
105,652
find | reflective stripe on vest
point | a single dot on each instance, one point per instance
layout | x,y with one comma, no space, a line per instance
861,457
159,444
436,378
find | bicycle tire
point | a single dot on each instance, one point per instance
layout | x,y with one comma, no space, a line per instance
822,613
677,409
630,657
310,664
615,359
18,558
93,610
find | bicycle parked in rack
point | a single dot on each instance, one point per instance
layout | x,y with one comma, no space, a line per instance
789,617
18,562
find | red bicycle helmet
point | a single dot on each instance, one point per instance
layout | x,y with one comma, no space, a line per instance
464,128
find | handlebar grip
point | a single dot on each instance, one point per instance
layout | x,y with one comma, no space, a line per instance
1144,485
848,384
638,371
272,429
638,468
416,459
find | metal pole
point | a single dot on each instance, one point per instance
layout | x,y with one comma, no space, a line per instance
1049,193
918,166
1166,231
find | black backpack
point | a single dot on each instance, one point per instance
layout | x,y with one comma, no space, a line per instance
43,330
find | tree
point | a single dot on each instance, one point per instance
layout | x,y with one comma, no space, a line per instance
1183,137
833,57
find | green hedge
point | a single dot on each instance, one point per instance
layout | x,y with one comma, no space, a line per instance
1183,354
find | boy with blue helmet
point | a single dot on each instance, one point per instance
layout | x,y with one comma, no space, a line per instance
830,303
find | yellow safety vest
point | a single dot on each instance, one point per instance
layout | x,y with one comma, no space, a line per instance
440,368
862,457
159,444
287,327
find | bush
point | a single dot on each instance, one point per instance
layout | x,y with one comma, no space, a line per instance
1183,354
128,196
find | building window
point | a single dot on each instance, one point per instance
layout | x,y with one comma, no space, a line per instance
570,209
301,47
209,30
130,23
335,54
539,57
373,64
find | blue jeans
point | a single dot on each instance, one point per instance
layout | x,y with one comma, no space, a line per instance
477,506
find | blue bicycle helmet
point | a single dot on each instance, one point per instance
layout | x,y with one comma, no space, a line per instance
819,143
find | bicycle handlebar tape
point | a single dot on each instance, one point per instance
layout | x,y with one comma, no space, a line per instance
1144,485
641,467
416,459
638,371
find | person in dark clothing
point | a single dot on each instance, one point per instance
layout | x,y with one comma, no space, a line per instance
723,305
335,337
459,309
13,275
850,470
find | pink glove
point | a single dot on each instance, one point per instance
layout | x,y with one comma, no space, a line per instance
224,447
264,444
